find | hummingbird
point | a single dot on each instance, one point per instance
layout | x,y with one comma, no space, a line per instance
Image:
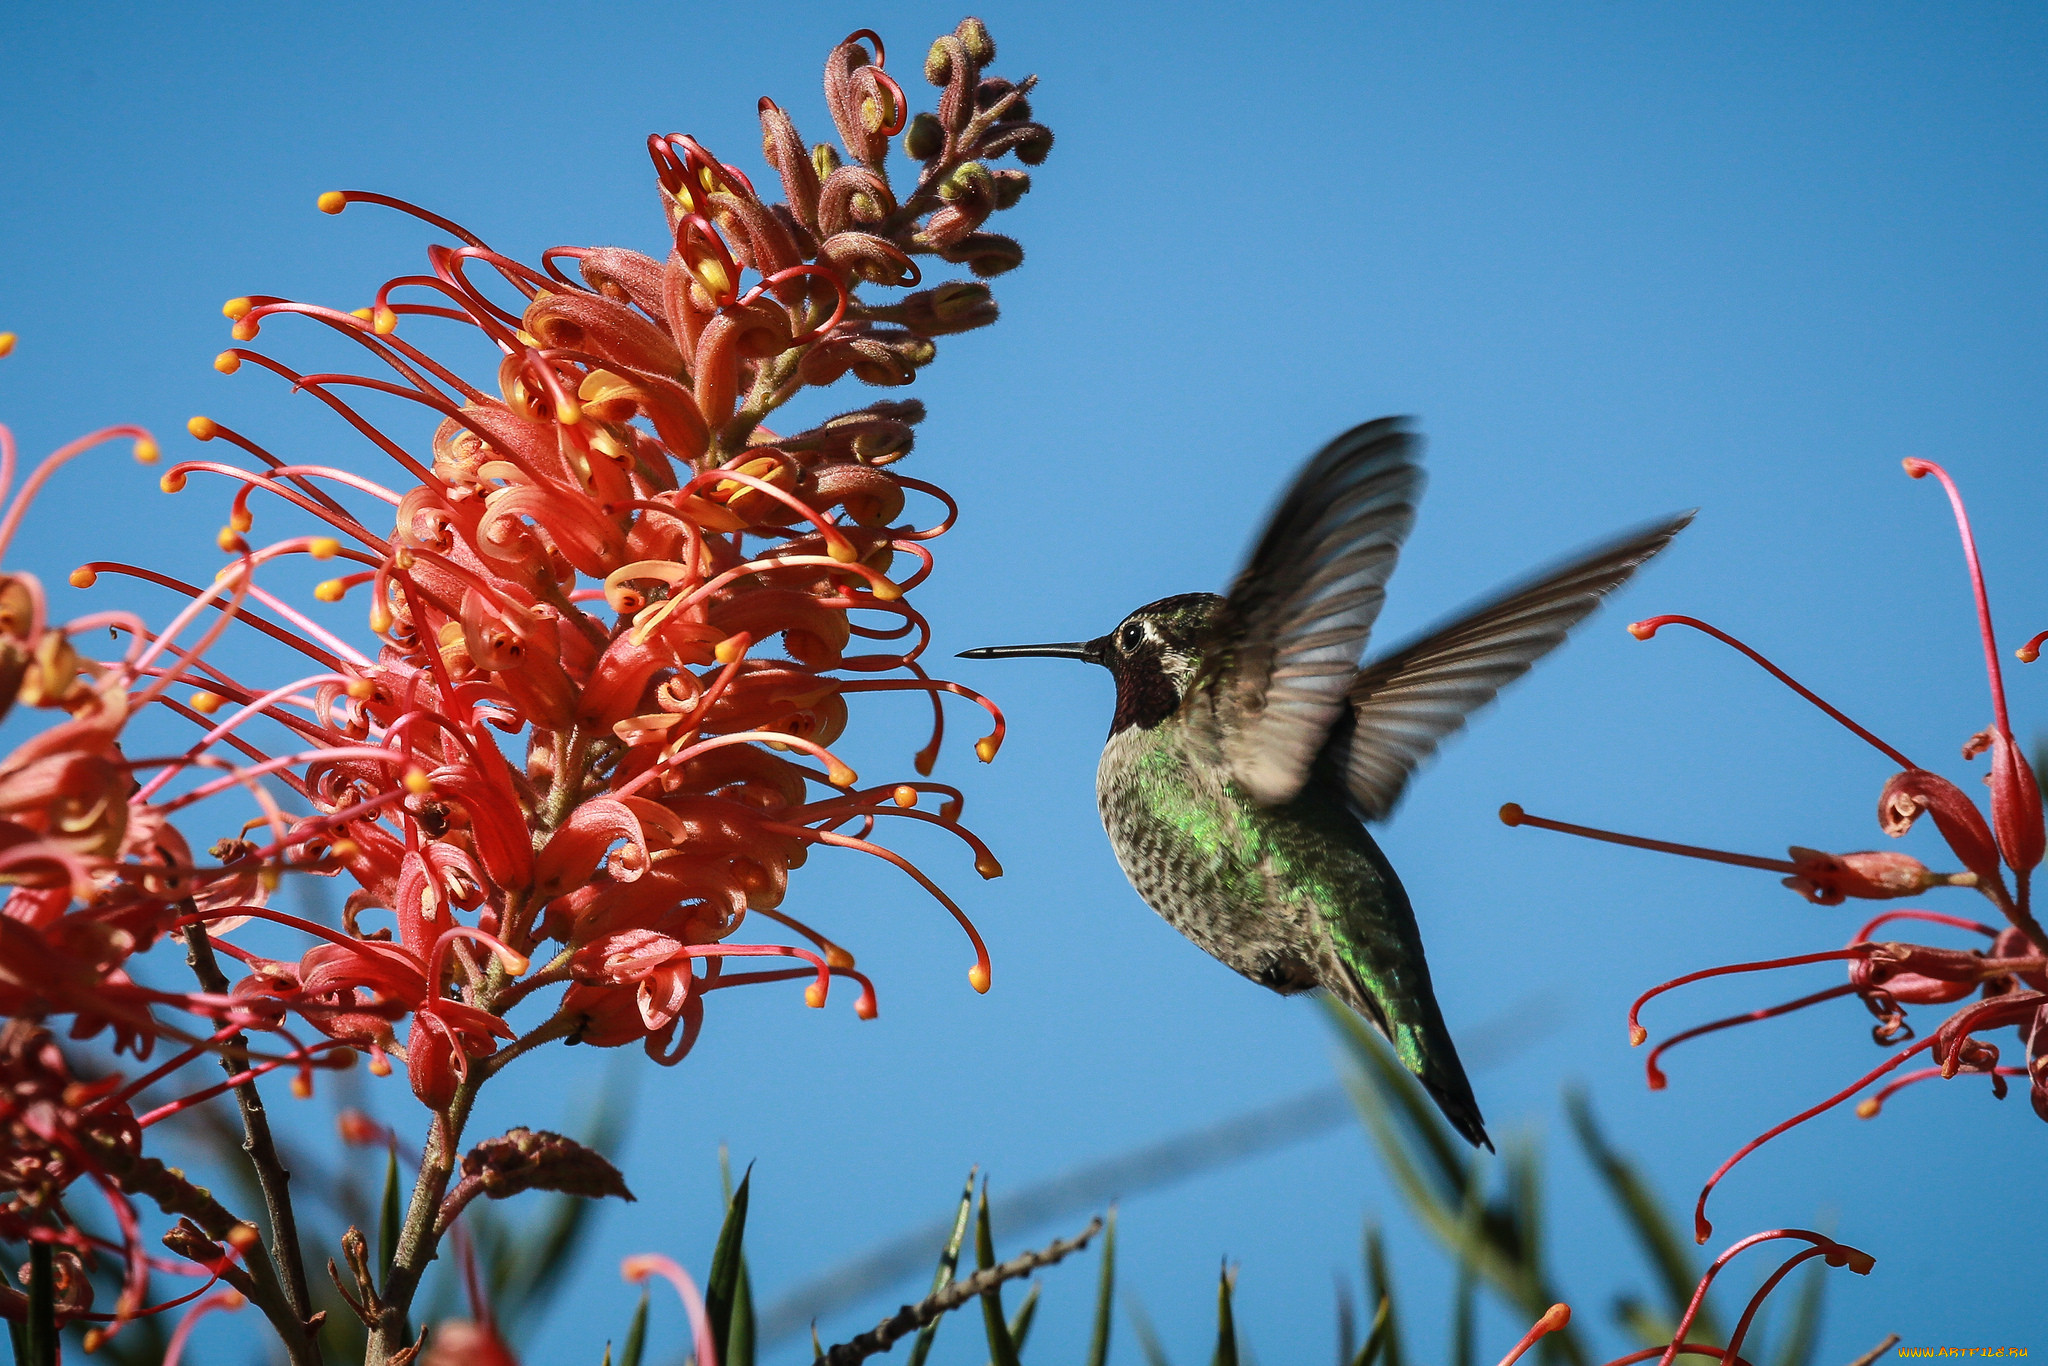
1249,748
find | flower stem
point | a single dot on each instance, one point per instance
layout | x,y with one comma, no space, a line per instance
288,1302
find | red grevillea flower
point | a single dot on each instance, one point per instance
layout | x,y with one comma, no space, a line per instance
618,618
1999,983
1817,1246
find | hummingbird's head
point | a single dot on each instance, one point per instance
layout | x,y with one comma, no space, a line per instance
1154,654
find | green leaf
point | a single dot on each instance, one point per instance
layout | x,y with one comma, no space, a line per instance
390,1218
607,1355
1376,1340
636,1335
1141,1328
1001,1351
740,1351
1226,1322
1379,1285
1668,1251
1105,1293
722,1286
1803,1336
949,1259
1020,1322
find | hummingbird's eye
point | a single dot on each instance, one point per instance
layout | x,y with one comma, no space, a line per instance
1127,639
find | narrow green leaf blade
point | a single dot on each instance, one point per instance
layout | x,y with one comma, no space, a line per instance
636,1335
1105,1295
1020,1322
722,1286
1148,1337
1802,1336
740,1347
1001,1351
1376,1340
1664,1247
1379,1285
949,1260
1226,1321
390,1217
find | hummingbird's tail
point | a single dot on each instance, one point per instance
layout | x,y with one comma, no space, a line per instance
1424,1046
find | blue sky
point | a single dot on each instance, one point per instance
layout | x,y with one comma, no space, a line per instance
1617,260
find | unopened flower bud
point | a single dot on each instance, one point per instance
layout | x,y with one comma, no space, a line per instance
825,158
1011,186
970,180
2016,806
973,36
1830,879
986,253
924,138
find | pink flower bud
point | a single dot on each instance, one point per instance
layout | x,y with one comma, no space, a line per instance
2015,805
1830,879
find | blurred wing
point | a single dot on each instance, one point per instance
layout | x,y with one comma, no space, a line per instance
1285,643
1403,705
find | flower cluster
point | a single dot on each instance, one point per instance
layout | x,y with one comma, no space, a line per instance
2000,983
618,620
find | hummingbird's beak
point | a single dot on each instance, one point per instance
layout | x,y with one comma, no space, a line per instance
1088,650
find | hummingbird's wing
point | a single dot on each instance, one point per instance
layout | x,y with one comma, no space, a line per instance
1285,644
1404,704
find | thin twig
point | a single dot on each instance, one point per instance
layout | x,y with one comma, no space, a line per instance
271,1176
912,1317
1891,1341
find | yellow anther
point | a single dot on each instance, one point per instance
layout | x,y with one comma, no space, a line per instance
417,782
241,519
93,1339
977,977
302,1086
885,590
360,688
1867,1109
515,962
330,590
83,577
361,314
988,867
905,795
344,848
1637,1036
836,957
146,450
173,481
865,1007
244,1237
380,620
527,339
245,330
227,362
234,310
985,748
383,322
569,413
229,540
323,547
380,1065
839,775
814,996
7,340
334,201
730,649
841,551
202,428
206,703
711,273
